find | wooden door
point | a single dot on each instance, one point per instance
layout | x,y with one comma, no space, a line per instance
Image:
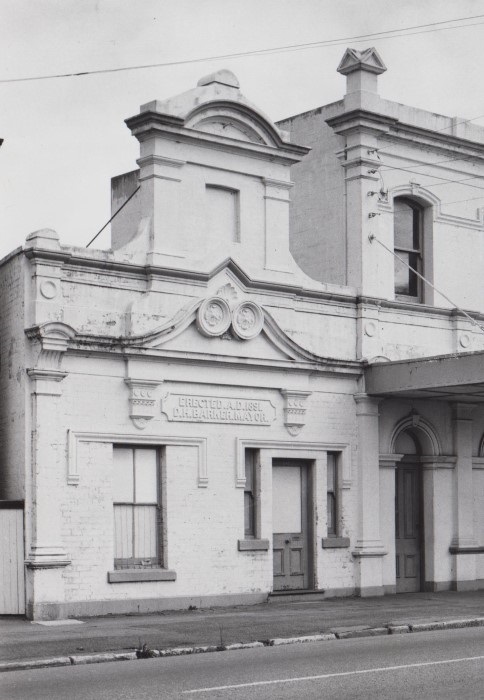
12,578
408,530
290,525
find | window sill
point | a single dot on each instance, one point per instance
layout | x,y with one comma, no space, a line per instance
335,542
137,575
253,545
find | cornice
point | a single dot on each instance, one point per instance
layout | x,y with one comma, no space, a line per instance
420,137
76,262
416,309
152,120
358,118
288,154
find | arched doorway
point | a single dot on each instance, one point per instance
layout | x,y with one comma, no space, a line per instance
408,514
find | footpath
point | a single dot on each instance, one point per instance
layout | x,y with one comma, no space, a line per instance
24,644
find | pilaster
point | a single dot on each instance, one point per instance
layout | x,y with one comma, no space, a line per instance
369,548
464,543
160,180
277,224
388,466
47,555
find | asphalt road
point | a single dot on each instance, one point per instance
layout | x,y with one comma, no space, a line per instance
444,664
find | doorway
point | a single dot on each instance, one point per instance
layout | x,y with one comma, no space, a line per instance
290,524
408,517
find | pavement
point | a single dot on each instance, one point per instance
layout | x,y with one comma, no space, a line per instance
25,644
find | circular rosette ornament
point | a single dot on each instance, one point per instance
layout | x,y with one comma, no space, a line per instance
213,317
247,320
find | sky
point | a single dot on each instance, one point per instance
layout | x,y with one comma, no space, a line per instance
64,138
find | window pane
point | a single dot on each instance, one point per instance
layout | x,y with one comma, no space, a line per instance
403,225
123,532
331,473
331,514
402,274
249,515
406,281
145,533
414,262
249,470
146,490
123,475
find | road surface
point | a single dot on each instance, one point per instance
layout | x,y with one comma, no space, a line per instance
444,664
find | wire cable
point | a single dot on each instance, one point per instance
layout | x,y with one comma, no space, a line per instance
395,33
372,238
113,216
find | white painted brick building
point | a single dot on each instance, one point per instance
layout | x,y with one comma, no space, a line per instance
190,418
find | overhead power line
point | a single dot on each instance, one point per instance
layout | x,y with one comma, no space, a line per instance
388,34
372,238
113,216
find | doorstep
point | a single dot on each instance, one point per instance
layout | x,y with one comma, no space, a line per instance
296,596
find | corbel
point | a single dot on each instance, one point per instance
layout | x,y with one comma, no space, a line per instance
295,410
142,402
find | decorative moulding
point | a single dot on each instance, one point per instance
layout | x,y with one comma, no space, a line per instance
247,320
142,402
213,317
414,189
368,59
54,341
217,314
47,557
293,450
74,438
295,410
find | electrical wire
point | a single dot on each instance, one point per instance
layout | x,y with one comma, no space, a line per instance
395,33
113,216
372,238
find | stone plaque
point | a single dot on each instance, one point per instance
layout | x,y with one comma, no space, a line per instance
217,409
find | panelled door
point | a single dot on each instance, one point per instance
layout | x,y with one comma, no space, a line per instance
408,530
290,524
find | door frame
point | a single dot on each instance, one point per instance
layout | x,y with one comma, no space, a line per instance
417,461
315,453
308,466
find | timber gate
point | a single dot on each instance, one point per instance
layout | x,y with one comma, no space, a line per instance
12,564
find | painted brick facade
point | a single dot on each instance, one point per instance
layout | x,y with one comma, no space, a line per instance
198,336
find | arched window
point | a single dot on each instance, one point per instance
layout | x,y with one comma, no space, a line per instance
408,246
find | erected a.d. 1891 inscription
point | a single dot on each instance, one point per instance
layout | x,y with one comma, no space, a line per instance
217,409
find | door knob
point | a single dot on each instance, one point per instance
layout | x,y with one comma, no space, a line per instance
287,541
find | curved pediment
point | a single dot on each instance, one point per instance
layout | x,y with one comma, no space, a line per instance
233,120
222,324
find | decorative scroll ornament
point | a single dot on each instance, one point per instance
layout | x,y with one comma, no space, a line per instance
142,402
247,320
295,410
213,317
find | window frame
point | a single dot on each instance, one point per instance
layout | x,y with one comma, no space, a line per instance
252,536
134,562
132,571
418,220
334,538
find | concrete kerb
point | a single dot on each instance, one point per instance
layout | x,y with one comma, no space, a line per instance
106,657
